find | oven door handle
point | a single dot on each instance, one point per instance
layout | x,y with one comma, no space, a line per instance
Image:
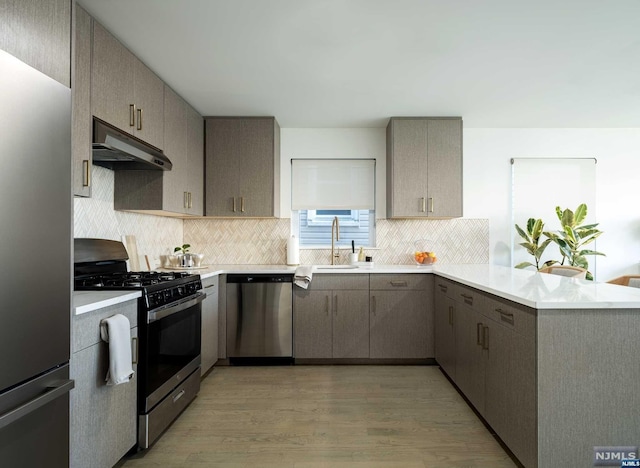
162,312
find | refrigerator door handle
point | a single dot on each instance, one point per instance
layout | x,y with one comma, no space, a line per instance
32,405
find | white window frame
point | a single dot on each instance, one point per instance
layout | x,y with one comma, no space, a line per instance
315,219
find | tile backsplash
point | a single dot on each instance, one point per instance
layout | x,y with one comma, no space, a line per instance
95,217
263,241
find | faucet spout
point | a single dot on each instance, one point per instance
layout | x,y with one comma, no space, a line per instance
335,223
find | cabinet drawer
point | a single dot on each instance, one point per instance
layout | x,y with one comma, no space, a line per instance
516,317
339,281
399,281
86,327
210,282
470,297
446,287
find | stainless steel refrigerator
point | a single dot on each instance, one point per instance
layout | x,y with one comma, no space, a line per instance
35,276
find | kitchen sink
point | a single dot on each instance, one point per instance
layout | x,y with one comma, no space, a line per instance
336,267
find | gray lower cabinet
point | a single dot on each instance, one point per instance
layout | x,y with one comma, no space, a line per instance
424,167
124,92
177,192
81,130
103,418
445,318
494,362
331,318
38,32
401,316
242,167
210,310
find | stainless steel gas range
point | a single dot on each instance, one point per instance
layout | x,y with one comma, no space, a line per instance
169,321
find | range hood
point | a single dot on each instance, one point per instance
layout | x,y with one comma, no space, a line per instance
116,150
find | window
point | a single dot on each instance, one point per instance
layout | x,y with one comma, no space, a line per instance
313,227
323,189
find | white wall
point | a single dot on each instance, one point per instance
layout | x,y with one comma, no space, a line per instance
487,190
487,178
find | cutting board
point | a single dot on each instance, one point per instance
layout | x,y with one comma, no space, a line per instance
131,245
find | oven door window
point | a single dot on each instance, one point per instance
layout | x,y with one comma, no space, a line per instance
172,343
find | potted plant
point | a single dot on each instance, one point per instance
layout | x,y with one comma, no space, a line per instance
184,258
573,237
532,237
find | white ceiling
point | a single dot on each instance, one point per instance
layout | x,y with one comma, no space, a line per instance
354,63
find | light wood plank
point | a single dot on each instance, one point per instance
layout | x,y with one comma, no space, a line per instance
326,416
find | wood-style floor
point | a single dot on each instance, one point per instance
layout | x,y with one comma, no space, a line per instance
326,416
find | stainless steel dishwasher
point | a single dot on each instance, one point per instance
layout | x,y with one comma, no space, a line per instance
259,316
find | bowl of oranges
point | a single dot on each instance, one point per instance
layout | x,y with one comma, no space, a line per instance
423,254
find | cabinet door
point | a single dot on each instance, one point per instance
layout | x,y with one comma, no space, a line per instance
445,337
209,324
350,324
38,33
510,405
444,180
256,182
312,324
407,168
398,327
175,130
469,358
149,100
103,418
195,162
223,166
112,77
81,130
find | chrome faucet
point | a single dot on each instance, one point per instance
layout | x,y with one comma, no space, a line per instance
334,255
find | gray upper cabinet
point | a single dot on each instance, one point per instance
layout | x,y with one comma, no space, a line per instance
124,92
242,163
38,32
177,192
81,131
424,167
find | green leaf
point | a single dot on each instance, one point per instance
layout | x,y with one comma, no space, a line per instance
530,224
537,229
522,233
522,265
177,249
580,214
548,263
590,252
567,218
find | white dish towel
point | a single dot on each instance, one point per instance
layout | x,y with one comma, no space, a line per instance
116,331
302,276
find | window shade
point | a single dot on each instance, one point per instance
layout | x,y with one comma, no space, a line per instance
333,184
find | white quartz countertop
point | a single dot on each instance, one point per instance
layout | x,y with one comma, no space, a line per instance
541,290
88,301
526,287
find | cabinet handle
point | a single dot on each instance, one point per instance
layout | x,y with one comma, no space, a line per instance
335,305
179,395
190,203
234,204
399,283
450,315
132,115
139,119
443,287
467,299
184,200
134,342
210,286
373,305
423,205
86,173
479,334
505,316
430,204
485,338
242,204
